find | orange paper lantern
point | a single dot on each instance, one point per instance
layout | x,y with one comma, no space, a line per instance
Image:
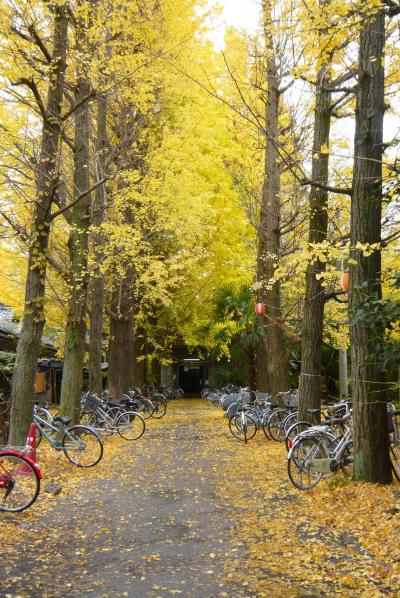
260,309
345,282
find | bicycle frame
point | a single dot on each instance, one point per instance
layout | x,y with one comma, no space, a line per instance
57,446
108,420
332,460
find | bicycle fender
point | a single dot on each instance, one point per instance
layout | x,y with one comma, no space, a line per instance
27,457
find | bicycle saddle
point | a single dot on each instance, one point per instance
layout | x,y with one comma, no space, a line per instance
124,400
64,420
314,411
122,404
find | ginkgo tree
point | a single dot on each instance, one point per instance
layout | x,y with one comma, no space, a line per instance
144,173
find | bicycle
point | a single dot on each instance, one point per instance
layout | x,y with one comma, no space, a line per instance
80,444
275,424
317,453
243,426
19,480
134,401
338,410
107,418
394,439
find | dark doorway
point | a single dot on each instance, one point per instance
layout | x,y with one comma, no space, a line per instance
191,379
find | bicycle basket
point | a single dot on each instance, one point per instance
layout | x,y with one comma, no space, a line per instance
92,402
291,400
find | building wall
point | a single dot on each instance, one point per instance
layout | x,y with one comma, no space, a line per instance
167,375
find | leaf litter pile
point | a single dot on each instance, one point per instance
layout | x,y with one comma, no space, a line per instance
189,511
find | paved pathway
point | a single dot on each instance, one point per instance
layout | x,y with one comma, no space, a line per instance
156,528
149,522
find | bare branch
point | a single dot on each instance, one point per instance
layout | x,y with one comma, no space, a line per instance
77,199
87,98
32,86
341,190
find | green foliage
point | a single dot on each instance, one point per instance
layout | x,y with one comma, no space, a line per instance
233,322
381,318
7,362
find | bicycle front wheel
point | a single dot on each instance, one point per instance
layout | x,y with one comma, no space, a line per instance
265,421
300,470
130,425
289,420
82,446
395,460
243,428
19,483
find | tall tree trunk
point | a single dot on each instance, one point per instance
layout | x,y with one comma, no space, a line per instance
261,370
46,187
121,360
251,356
269,238
139,368
371,449
71,387
313,316
97,279
121,350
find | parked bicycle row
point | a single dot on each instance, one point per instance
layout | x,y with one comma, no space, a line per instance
318,446
82,444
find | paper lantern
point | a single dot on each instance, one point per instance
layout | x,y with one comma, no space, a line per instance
345,282
260,308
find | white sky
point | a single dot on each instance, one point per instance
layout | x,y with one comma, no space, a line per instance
239,13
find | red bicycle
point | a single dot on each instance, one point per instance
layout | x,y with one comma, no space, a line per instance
19,480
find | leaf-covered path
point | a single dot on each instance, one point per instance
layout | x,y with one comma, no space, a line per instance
188,511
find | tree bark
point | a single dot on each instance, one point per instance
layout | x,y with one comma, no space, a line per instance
371,449
71,387
139,368
121,357
121,360
46,188
251,355
269,238
261,370
97,279
313,315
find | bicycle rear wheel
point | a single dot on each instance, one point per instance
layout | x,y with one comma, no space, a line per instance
294,431
89,418
160,408
19,483
276,425
82,446
130,425
148,408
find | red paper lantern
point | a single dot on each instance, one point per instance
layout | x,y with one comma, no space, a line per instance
345,282
260,309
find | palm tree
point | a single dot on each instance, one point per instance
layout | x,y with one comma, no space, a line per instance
233,326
